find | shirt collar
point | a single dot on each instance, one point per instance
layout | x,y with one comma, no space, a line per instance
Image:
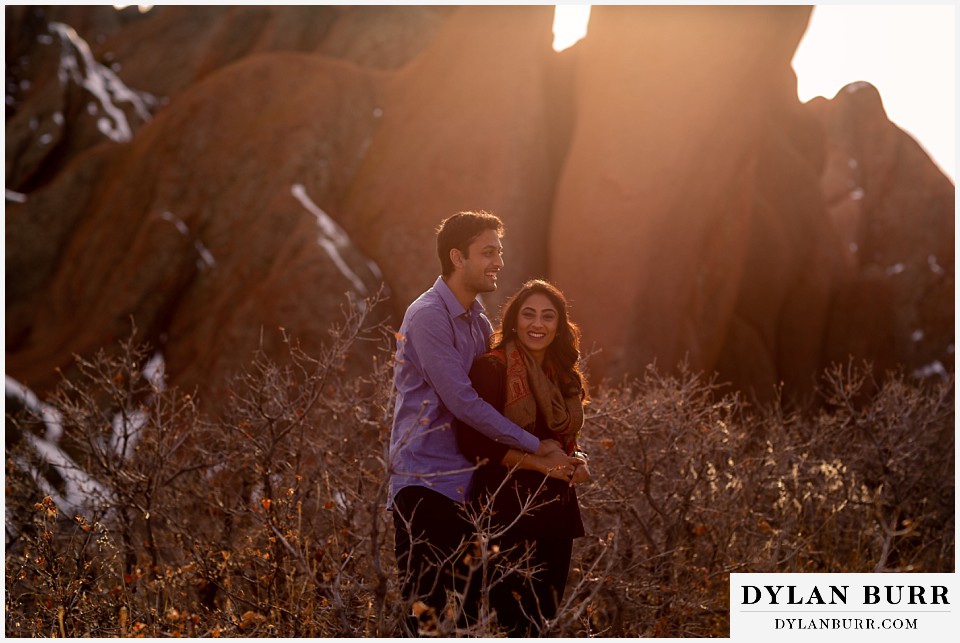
454,307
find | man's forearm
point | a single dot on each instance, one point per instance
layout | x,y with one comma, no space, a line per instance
492,424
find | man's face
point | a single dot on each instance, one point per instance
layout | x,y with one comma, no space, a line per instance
482,262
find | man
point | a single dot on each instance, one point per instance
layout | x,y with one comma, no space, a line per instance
442,332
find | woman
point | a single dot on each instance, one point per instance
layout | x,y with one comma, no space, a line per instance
532,376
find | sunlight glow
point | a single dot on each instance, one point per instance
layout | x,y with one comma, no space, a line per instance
569,24
906,52
142,8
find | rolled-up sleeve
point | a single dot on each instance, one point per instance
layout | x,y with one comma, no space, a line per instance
488,377
432,339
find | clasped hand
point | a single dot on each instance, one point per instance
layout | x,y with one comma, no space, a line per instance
557,464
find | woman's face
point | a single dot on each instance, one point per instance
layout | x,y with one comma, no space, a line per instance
537,323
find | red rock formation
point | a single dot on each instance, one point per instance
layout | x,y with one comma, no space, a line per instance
688,221
122,231
67,100
195,229
466,126
895,210
663,173
163,53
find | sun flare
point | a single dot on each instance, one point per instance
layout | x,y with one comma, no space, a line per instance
142,8
569,24
906,52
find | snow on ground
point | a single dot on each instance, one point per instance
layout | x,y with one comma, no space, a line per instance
333,239
78,64
206,259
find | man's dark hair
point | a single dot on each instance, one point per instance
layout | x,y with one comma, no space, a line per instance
459,231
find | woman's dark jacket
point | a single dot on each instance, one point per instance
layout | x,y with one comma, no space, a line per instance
560,517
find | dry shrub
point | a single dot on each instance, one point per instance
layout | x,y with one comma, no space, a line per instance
692,485
269,519
265,521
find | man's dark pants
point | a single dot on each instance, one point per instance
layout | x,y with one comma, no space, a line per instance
430,554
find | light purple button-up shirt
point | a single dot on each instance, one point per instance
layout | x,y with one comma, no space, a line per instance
436,346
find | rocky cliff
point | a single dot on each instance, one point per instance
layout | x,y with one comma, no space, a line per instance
215,173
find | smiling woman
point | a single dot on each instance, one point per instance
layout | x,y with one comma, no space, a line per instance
569,24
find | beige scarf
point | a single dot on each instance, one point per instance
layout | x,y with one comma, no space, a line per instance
529,388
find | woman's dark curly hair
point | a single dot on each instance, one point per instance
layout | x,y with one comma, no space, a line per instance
563,355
